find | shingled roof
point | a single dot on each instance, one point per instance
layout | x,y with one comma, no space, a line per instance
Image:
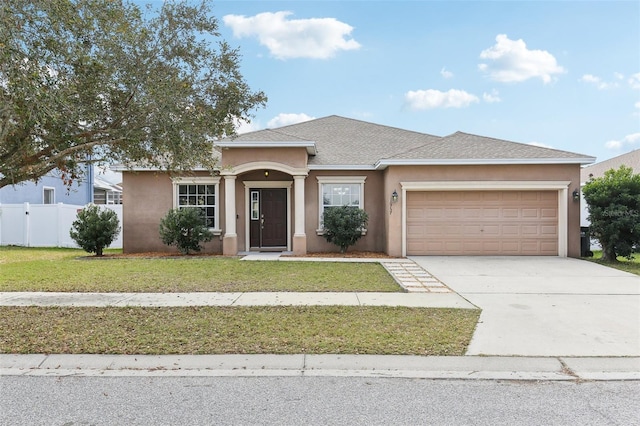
630,159
341,141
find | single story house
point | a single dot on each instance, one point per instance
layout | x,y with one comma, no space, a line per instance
460,194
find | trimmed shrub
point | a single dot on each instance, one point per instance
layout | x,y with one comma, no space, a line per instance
95,229
343,225
613,201
185,228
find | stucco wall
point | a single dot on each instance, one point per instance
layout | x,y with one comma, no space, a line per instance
148,198
293,157
374,240
396,174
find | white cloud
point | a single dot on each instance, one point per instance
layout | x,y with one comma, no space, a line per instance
243,126
318,38
634,81
446,74
284,119
104,172
628,141
511,61
492,97
429,99
601,85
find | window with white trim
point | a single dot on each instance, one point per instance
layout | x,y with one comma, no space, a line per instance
48,195
114,197
336,191
199,192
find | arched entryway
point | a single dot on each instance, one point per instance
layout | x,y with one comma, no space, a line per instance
273,209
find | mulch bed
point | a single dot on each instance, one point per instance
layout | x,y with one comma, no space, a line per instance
173,255
349,254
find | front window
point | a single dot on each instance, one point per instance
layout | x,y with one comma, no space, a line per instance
340,194
200,193
336,191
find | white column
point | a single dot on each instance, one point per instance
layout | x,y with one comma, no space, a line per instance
299,205
563,222
299,236
230,206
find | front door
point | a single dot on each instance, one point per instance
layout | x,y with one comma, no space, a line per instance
268,225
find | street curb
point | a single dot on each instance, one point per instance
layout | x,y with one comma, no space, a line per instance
390,366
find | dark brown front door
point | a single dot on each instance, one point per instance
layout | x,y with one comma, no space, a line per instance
268,210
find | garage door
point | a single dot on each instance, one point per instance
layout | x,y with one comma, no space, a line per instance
482,223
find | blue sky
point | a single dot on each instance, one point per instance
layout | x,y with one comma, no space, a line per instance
562,74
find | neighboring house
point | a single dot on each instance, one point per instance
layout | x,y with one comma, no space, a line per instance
105,192
630,159
50,189
460,194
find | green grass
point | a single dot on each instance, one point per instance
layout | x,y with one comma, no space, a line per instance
71,270
237,330
623,264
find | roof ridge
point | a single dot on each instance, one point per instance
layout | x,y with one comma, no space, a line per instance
415,148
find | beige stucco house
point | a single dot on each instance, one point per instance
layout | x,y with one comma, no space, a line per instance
460,194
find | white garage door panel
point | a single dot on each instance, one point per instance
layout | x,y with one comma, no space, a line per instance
482,223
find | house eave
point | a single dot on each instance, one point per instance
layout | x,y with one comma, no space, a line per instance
341,167
123,168
309,146
383,164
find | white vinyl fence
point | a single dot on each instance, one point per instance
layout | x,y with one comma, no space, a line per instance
44,225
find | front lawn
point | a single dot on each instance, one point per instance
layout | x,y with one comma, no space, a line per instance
623,264
237,330
44,269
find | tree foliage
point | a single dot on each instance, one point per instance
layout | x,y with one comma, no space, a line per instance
106,81
95,229
614,211
343,225
185,228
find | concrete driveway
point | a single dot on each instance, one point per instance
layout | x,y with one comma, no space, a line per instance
545,306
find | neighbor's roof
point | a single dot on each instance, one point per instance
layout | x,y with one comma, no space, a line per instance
100,183
630,159
348,143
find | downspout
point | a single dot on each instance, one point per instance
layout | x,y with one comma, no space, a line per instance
90,178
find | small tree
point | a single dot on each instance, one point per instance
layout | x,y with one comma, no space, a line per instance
95,229
185,228
343,225
614,211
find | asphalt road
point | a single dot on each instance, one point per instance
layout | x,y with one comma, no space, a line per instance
312,401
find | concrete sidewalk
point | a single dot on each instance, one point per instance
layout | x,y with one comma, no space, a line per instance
419,300
425,367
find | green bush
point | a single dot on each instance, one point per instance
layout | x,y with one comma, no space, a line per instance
613,201
185,228
95,229
343,225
